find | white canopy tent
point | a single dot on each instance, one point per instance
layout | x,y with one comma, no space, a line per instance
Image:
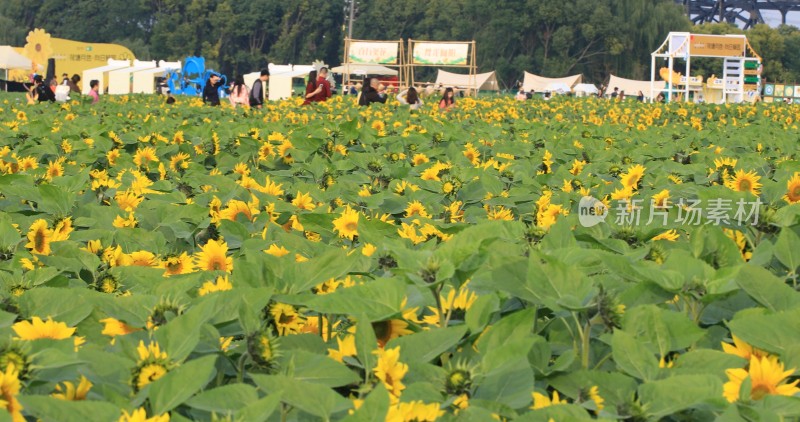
144,80
630,86
480,81
585,89
558,87
10,59
280,79
99,73
364,69
540,83
119,81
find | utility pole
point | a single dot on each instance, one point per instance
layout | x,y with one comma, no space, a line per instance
352,4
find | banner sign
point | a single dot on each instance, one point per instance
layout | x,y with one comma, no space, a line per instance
716,46
430,53
372,52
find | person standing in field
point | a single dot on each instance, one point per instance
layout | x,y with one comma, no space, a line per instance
259,92
323,90
211,90
369,93
312,88
94,84
239,93
411,98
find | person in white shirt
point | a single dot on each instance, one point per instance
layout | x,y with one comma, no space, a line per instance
411,98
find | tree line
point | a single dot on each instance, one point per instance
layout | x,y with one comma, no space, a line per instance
552,38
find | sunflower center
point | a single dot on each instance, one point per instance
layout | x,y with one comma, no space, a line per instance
39,241
383,330
38,48
216,264
759,391
794,193
745,185
351,226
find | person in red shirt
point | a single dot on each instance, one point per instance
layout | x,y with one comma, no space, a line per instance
323,89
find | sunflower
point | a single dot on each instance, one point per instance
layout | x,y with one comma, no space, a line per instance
793,189
577,167
304,201
390,329
287,319
221,284
143,258
368,249
213,257
766,377
346,346
9,389
670,235
419,158
742,349
744,182
594,395
632,178
38,47
235,208
471,154
27,163
70,392
277,251
179,161
153,364
37,329
177,264
54,169
140,415
39,238
264,349
114,327
128,200
661,199
416,208
455,303
347,223
414,411
499,213
540,401
390,370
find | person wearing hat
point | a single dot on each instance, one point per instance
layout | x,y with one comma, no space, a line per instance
211,90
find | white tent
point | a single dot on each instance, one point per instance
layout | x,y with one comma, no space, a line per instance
10,59
630,86
481,81
280,79
120,80
558,87
99,73
364,69
144,80
585,89
540,83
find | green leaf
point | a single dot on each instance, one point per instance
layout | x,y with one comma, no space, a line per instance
224,399
320,369
180,336
787,249
377,300
374,408
169,391
315,399
480,313
632,356
260,410
56,200
671,395
366,343
426,346
49,408
774,333
767,289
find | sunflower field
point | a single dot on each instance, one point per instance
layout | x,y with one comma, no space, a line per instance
180,262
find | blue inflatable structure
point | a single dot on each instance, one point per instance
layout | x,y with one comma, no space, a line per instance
192,78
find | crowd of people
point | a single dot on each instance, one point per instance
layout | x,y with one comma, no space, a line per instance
41,90
318,89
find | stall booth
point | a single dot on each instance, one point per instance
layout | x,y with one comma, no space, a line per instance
741,69
120,81
144,81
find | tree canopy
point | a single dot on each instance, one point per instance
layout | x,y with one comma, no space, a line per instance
552,38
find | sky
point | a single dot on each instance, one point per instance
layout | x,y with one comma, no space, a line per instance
773,18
